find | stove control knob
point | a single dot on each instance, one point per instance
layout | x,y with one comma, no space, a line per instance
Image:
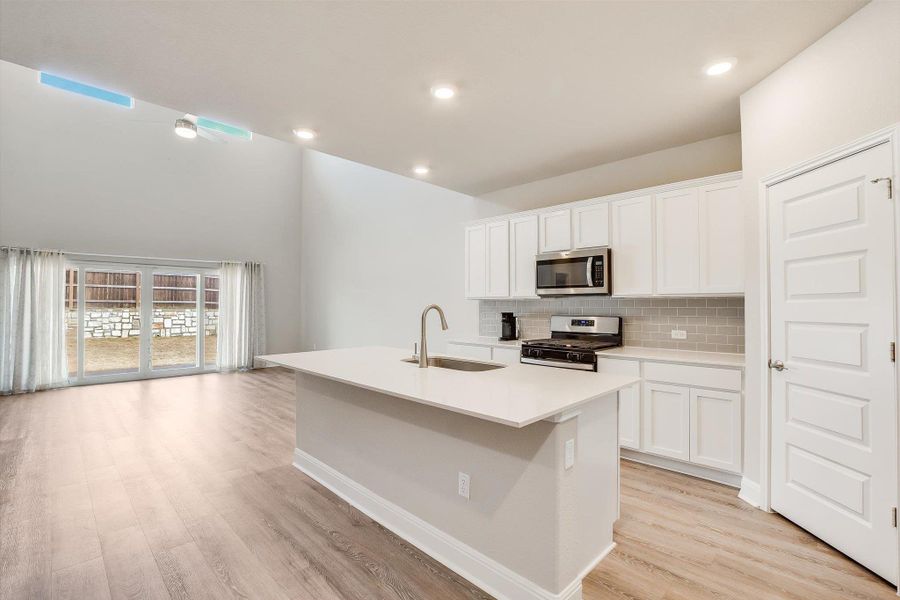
572,356
536,352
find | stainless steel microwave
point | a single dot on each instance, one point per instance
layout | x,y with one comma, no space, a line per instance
574,272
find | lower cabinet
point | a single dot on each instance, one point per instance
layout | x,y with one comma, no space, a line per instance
507,356
629,401
677,412
716,429
666,420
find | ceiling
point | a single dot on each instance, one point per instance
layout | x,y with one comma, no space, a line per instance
545,88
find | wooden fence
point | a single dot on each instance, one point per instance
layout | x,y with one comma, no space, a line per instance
123,290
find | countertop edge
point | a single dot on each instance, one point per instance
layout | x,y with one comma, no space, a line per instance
273,359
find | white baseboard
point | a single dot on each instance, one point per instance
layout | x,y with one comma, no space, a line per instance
750,492
670,464
491,576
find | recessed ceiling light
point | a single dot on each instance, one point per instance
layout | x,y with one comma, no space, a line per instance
185,128
720,67
443,91
421,170
305,134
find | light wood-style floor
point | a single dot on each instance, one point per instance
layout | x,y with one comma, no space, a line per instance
182,488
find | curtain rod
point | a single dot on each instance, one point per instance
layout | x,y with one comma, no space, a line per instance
93,255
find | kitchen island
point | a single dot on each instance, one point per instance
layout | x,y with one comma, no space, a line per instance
539,446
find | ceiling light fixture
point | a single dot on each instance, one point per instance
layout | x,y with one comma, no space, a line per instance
185,128
305,134
421,170
720,67
443,91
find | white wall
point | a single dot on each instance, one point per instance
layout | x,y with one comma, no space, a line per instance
376,249
87,176
707,157
841,88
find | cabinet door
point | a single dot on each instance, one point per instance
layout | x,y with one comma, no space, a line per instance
467,351
497,259
507,356
677,242
555,229
666,420
629,400
716,429
632,246
590,225
523,246
721,238
476,261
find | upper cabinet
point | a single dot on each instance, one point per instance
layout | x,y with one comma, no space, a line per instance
590,225
721,238
632,246
497,269
700,240
677,242
523,246
476,261
555,230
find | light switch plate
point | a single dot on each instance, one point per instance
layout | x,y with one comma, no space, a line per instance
463,485
679,334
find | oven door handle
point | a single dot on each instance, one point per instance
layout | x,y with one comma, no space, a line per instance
590,265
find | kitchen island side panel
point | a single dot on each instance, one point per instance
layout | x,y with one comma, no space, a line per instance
411,454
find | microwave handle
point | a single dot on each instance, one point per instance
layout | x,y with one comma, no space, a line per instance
590,271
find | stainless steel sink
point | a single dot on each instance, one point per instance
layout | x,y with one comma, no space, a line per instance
457,364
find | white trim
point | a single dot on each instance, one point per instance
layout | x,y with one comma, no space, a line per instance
666,187
685,468
485,572
887,135
749,492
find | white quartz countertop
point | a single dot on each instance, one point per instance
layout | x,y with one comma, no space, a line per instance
720,359
516,395
692,357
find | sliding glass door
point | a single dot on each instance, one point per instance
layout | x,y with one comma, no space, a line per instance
137,321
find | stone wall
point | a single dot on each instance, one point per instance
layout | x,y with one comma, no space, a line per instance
124,322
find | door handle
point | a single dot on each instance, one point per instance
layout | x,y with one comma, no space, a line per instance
777,365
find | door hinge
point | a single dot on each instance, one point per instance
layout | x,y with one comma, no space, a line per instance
893,351
890,183
894,516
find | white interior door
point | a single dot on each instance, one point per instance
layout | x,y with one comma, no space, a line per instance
834,439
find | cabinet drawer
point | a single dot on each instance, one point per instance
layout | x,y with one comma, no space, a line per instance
507,356
615,366
711,377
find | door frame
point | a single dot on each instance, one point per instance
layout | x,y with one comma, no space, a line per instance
889,135
146,267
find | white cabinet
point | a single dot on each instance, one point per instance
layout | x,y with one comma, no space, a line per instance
467,351
721,238
497,268
716,429
507,356
629,400
666,420
632,246
677,242
555,230
523,246
590,225
476,261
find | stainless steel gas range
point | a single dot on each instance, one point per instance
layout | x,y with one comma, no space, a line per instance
573,342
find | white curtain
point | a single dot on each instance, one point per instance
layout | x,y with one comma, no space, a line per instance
32,320
242,315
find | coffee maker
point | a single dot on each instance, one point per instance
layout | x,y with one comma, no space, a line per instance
509,327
